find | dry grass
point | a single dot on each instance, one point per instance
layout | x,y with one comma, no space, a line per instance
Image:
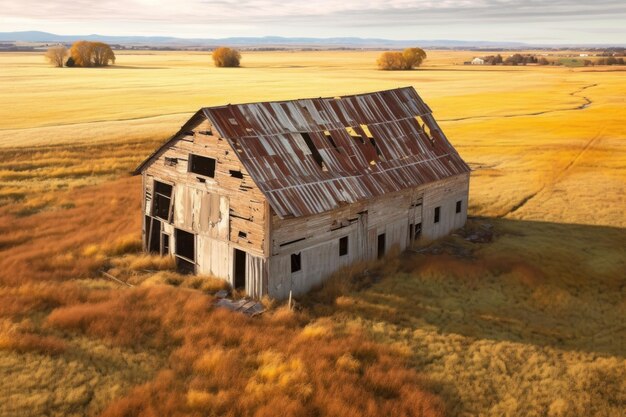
217,355
531,324
528,325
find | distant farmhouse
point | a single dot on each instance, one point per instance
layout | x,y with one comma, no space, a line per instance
478,61
274,197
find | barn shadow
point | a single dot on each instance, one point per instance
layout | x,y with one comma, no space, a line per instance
547,284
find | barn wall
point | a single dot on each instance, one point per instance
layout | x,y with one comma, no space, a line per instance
224,212
316,238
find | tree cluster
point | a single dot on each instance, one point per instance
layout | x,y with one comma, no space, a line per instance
613,51
91,54
81,54
405,60
609,61
516,59
226,57
493,60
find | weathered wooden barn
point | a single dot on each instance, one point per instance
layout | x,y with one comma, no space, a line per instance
276,196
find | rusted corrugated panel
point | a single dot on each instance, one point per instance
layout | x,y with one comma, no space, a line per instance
398,155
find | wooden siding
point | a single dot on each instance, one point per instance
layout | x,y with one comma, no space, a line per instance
224,212
316,238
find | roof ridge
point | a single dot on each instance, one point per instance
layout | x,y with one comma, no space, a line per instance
369,93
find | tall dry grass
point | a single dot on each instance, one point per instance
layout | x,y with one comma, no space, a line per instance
228,364
530,324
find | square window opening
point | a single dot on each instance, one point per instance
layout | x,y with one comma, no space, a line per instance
202,165
185,244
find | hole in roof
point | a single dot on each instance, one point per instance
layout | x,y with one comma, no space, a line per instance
354,135
314,152
424,127
366,130
232,121
331,140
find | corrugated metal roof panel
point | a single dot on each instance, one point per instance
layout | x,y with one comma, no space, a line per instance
398,155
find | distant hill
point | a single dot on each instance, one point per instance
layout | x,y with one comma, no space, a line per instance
266,41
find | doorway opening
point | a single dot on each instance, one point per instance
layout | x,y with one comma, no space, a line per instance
240,269
381,245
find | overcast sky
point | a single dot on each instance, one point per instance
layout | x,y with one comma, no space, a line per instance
534,21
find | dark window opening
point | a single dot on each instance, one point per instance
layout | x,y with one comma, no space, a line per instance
240,269
162,200
437,212
153,232
165,244
458,206
205,132
163,188
202,165
296,262
331,140
161,206
243,234
185,244
343,246
314,152
171,162
185,267
415,231
381,245
236,174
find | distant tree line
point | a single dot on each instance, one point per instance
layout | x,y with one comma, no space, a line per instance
81,54
611,60
516,59
519,59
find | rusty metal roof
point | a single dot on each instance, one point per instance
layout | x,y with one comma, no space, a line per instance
385,150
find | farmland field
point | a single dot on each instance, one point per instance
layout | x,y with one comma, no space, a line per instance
528,324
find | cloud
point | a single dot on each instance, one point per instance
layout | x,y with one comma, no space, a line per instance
320,18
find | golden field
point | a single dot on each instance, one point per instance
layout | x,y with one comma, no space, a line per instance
529,324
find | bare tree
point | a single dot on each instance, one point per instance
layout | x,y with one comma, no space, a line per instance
56,55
